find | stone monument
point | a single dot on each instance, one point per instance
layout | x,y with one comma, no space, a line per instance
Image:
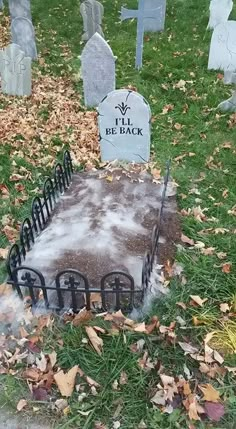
23,35
15,70
157,24
124,126
92,13
98,70
219,12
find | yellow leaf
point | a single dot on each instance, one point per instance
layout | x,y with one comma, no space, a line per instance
53,358
210,394
66,381
224,307
96,341
199,301
187,389
109,178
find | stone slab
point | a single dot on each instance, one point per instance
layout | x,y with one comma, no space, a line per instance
222,54
22,32
20,8
98,70
92,13
15,70
157,23
124,127
219,12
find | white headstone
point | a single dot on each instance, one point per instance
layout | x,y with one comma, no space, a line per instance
222,54
229,105
92,13
15,70
124,126
20,8
156,23
22,32
219,12
98,70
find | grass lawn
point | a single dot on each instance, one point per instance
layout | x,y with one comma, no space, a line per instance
201,143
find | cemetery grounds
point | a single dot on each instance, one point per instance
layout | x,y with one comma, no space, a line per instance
201,143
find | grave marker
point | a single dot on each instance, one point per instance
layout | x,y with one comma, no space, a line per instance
20,8
23,35
157,24
219,12
141,14
124,125
222,54
15,70
230,104
98,70
92,13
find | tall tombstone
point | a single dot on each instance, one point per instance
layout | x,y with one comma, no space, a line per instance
20,8
155,23
124,126
98,70
230,104
92,13
219,12
22,32
15,70
222,54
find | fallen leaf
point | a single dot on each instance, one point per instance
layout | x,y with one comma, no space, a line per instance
218,357
82,317
159,398
140,327
53,358
4,253
31,374
123,378
210,394
187,348
224,307
154,323
21,404
214,411
66,381
187,389
40,394
41,363
10,232
187,240
96,341
61,404
199,301
226,268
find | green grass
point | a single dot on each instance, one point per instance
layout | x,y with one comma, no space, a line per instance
179,53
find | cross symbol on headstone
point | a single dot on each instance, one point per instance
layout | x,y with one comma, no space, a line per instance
141,13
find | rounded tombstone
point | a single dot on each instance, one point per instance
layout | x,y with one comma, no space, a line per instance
22,32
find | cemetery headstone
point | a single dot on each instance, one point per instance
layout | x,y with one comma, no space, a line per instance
23,35
158,23
92,13
230,104
15,70
219,12
222,54
20,8
124,126
98,70
141,14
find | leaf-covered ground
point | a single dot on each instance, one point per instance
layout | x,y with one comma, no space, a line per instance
170,377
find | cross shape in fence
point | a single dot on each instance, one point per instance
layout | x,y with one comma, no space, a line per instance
141,14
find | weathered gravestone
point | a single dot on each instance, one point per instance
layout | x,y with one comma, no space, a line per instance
23,35
222,54
141,14
124,125
20,8
230,104
15,70
98,70
158,22
92,13
219,12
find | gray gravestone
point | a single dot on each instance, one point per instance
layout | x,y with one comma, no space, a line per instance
98,70
140,14
230,104
92,13
222,54
20,8
158,23
124,126
219,12
22,32
15,70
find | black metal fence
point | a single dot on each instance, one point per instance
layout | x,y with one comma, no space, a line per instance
70,288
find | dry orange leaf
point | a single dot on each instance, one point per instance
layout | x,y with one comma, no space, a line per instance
226,268
66,381
210,394
21,404
95,340
187,240
82,317
187,389
199,301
